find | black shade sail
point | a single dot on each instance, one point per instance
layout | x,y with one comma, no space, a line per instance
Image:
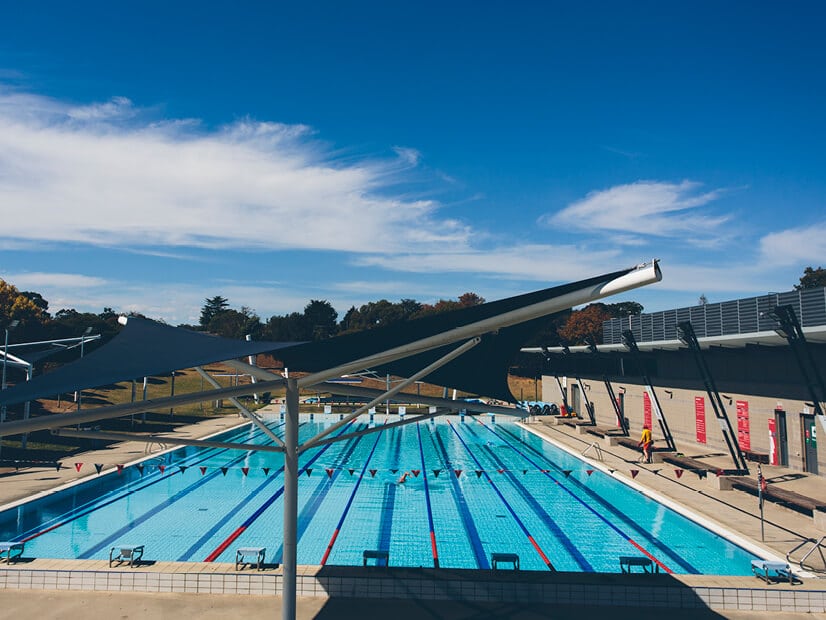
146,348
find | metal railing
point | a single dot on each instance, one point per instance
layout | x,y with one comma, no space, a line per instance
817,545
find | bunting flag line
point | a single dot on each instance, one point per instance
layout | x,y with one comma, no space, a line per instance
329,472
567,472
266,471
99,467
182,468
351,471
224,470
203,470
120,469
701,473
373,473
245,470
78,466
436,473
57,466
309,472
678,473
458,472
416,472
634,473
478,473
161,468
589,471
394,471
140,468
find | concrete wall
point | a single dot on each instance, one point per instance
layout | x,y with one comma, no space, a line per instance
678,406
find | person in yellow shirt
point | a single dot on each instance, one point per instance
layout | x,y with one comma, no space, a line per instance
645,443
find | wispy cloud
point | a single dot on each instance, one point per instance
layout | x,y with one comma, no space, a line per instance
35,280
795,245
408,155
106,175
645,208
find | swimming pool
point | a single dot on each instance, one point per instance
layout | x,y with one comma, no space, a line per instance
474,487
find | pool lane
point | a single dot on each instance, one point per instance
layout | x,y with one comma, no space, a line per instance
558,536
507,505
659,561
452,496
434,548
118,495
350,501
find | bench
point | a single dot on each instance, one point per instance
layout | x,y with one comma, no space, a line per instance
130,554
771,571
504,558
8,548
378,555
247,556
790,499
627,562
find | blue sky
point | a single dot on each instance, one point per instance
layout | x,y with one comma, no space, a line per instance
156,154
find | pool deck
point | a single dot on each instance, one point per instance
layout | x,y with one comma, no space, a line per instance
213,589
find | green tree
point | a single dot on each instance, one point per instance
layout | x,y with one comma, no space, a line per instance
320,317
235,324
212,307
812,278
623,309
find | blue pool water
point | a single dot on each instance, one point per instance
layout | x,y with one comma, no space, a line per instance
474,488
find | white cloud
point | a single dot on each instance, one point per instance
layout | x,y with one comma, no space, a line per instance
539,262
103,175
644,208
34,280
795,246
408,155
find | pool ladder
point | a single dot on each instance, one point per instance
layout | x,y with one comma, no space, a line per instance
597,451
817,545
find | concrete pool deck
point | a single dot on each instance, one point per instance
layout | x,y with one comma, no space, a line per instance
161,588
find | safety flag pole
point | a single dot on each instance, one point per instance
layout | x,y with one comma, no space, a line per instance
761,485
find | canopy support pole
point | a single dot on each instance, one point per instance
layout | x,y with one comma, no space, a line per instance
288,591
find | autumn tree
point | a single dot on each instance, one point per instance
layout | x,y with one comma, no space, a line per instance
812,278
585,322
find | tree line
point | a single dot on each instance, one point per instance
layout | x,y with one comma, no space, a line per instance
317,321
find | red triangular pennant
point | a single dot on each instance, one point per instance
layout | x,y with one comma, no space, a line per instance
678,473
634,473
589,471
436,472
501,471
478,473
373,472
224,470
162,468
98,467
458,472
329,472
120,469
78,466
416,472
245,470
140,468
567,472
545,471
266,471
203,470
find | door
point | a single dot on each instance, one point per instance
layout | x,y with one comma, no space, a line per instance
575,399
809,437
782,438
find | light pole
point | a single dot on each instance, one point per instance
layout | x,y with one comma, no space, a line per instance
10,327
82,342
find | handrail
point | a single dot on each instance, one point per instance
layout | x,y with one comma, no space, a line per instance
818,546
597,450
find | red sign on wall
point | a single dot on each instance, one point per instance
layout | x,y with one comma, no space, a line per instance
743,434
700,417
646,409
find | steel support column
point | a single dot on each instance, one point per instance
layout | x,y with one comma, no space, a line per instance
631,344
290,561
686,334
